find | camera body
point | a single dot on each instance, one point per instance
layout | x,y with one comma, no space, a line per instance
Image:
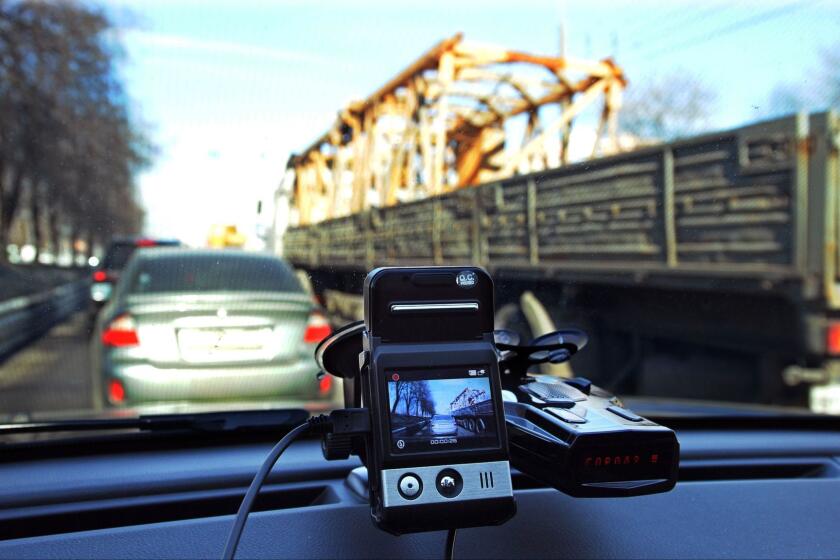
451,404
437,453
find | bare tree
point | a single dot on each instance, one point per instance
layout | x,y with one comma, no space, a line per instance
817,90
663,108
65,132
427,403
785,99
413,398
417,397
400,389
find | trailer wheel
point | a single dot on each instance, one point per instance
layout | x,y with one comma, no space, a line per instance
510,317
482,426
527,317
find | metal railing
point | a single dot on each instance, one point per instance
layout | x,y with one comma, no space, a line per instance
23,319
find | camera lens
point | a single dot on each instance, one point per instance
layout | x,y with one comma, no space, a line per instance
449,483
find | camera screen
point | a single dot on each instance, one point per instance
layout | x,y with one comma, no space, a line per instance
441,410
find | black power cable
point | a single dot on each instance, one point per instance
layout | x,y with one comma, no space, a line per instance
346,422
450,544
253,490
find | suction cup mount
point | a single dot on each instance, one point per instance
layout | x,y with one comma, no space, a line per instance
555,347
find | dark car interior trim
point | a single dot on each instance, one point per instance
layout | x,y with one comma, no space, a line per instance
742,493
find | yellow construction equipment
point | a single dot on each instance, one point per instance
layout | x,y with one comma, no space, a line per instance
224,236
445,122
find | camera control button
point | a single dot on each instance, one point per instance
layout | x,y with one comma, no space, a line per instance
624,413
565,415
580,383
449,483
555,394
410,486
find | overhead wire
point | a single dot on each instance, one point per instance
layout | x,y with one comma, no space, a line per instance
660,21
730,28
674,27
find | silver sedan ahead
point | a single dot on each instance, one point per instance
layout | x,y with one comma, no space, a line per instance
207,325
443,425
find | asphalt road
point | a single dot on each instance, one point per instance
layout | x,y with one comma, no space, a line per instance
50,375
53,375
425,434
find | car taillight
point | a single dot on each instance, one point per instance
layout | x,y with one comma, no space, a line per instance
99,276
122,331
145,243
325,384
832,339
116,392
317,329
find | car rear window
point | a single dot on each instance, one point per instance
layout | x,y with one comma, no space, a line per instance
118,255
213,273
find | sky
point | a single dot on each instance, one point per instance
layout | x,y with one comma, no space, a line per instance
227,89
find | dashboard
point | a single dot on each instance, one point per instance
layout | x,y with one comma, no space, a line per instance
742,493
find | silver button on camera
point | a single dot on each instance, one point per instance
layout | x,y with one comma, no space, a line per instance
410,486
449,483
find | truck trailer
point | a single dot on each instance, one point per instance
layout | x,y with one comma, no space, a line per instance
701,268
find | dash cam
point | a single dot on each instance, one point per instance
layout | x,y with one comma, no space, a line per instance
437,453
431,372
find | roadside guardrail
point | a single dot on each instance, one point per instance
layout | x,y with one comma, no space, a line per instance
25,318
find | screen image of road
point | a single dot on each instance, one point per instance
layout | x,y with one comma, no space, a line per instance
440,411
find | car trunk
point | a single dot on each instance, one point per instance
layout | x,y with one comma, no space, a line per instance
221,328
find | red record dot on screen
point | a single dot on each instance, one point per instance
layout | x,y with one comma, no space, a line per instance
395,377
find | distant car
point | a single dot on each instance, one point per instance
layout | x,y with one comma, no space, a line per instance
115,259
443,425
207,325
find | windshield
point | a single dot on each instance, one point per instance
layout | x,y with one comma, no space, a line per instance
184,272
191,196
118,256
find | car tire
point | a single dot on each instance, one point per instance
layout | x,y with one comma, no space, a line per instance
511,317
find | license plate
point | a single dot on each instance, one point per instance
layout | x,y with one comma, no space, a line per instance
223,344
825,399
